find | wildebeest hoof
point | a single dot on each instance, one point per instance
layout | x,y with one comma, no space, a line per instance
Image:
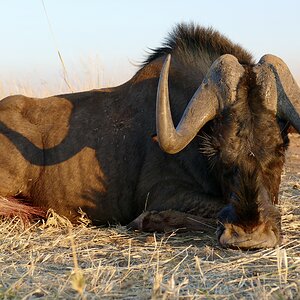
137,223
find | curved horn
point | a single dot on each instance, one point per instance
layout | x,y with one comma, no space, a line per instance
218,86
287,103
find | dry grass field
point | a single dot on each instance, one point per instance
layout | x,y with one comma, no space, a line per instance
55,260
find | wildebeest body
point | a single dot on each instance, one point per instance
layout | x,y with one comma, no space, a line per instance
94,150
91,150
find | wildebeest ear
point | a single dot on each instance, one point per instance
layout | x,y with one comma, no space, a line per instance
154,138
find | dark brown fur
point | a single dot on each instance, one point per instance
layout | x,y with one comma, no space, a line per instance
190,42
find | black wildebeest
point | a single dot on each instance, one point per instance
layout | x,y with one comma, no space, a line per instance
95,150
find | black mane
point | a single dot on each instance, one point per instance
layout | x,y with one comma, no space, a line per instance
190,41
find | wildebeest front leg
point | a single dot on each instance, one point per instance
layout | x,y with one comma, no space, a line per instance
170,220
183,210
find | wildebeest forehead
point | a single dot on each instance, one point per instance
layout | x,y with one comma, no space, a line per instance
238,140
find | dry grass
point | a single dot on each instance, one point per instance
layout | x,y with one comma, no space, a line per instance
85,74
55,260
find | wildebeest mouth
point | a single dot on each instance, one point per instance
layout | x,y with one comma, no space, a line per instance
235,237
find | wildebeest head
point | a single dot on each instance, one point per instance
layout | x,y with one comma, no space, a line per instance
249,109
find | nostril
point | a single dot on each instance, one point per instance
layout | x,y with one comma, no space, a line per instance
235,234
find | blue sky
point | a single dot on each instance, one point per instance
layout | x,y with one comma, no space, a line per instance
104,39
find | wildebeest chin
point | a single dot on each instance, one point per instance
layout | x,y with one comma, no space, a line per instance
116,154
